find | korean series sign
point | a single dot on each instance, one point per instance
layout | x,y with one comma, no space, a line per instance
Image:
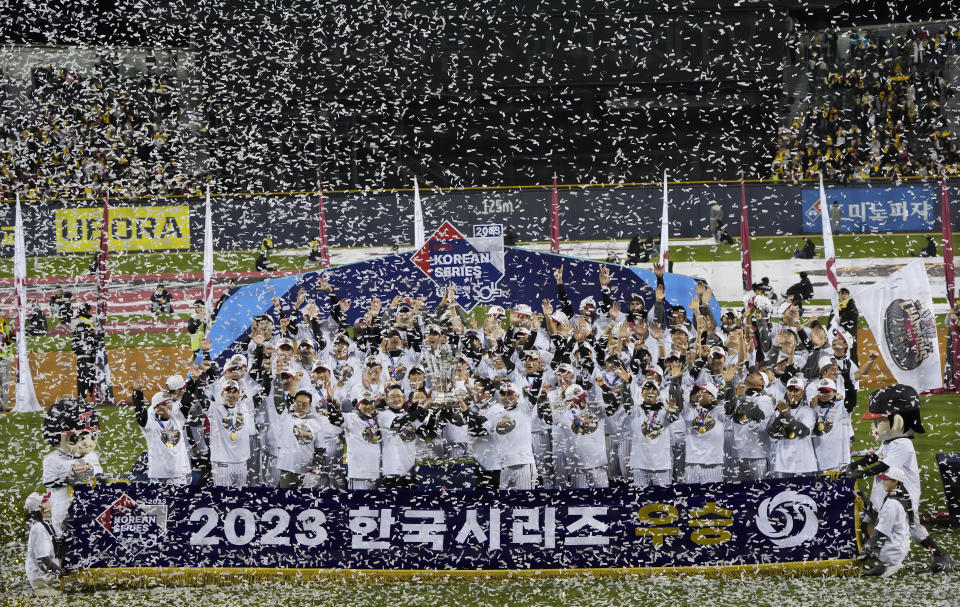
473,266
776,521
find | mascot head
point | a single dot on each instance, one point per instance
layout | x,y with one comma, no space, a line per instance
72,425
895,412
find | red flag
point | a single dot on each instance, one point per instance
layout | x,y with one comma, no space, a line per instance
948,272
555,220
745,260
324,244
102,272
101,391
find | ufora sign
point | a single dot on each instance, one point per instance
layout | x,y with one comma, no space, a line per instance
131,228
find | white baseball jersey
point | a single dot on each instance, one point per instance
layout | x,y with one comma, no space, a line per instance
892,522
898,453
167,455
587,443
300,438
39,546
796,455
363,446
229,432
650,447
833,446
706,447
400,445
57,466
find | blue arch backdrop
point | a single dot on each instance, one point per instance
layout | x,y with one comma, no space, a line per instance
528,279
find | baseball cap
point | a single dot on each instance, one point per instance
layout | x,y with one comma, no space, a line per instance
588,302
497,311
392,333
236,361
531,354
198,302
522,310
175,382
564,368
342,339
796,382
320,367
827,384
559,317
574,393
230,385
731,312
508,387
718,350
159,398
308,343
826,361
655,369
371,361
709,387
288,372
434,329
650,384
521,332
840,332
34,500
894,473
416,369
637,297
286,342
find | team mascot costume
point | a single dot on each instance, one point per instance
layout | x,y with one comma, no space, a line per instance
895,412
72,426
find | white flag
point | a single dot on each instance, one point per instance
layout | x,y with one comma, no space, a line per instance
418,237
828,253
899,310
664,227
26,396
208,257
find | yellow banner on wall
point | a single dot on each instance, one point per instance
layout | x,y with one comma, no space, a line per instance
131,228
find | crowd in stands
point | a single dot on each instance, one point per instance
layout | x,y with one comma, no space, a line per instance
69,134
876,108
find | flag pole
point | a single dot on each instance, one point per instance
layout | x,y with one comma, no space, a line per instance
555,219
745,259
828,253
25,396
322,218
208,255
946,229
664,227
418,235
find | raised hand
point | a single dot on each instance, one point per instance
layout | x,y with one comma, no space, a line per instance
558,275
547,307
658,269
604,277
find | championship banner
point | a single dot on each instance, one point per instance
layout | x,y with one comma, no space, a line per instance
131,228
785,522
899,311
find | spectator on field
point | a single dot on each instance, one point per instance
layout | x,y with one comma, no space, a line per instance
36,321
716,217
160,301
263,255
836,214
61,306
799,291
510,237
928,251
722,235
808,251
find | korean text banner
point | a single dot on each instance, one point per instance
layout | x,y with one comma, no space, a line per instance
776,521
894,209
131,228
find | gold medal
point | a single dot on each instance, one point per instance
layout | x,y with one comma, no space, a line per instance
233,436
820,427
702,430
169,445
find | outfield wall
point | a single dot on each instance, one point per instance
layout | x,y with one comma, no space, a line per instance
586,213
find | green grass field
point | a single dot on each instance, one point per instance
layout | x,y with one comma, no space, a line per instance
20,471
121,442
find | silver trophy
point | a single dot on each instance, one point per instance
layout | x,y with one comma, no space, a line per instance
441,365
